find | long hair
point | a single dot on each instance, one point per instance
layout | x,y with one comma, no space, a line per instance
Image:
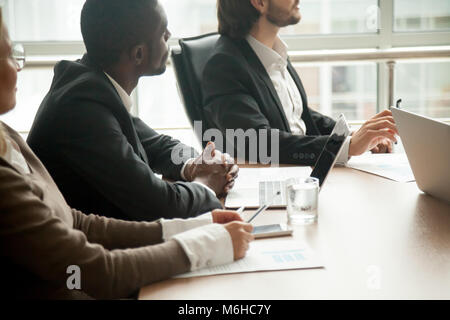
236,17
2,132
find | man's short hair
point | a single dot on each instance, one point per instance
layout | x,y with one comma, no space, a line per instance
236,17
110,27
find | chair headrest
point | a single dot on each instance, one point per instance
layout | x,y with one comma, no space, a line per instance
196,52
189,62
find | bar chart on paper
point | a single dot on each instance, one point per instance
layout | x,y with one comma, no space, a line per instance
265,255
286,256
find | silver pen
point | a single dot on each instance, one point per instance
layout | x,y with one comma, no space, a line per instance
263,208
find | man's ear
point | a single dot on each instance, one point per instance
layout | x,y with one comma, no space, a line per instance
260,5
137,54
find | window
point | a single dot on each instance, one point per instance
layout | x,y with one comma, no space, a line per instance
336,89
188,18
424,87
32,86
159,102
50,30
43,20
422,15
333,17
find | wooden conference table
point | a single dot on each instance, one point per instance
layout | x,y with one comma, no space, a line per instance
378,239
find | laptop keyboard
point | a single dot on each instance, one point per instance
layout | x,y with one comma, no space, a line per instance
267,191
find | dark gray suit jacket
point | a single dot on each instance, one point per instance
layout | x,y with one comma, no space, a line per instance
238,93
103,159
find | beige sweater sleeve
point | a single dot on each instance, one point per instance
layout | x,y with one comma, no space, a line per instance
34,238
117,234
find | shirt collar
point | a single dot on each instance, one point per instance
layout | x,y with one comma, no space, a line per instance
270,56
126,99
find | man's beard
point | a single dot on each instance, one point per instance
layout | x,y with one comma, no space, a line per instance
160,71
280,17
163,66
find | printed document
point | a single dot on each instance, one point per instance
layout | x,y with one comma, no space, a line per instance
394,166
265,255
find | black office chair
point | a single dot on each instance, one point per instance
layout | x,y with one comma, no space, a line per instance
189,62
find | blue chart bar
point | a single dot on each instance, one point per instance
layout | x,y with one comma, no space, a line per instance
286,256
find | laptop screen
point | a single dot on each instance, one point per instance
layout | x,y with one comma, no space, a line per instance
331,151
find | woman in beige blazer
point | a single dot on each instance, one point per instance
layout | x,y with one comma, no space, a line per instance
49,250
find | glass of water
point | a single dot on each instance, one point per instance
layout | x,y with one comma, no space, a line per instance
302,200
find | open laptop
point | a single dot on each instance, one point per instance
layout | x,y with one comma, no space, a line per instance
427,146
259,186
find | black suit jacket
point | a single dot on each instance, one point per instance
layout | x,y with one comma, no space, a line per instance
238,93
103,159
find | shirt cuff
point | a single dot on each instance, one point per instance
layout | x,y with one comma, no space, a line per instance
184,167
343,155
207,246
175,226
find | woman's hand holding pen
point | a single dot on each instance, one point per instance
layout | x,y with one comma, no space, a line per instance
241,236
239,231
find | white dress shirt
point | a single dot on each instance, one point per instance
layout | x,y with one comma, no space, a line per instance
205,244
275,61
126,99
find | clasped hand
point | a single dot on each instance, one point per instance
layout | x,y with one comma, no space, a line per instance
213,169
